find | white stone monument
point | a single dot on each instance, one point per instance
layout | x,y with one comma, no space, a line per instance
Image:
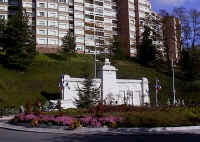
114,91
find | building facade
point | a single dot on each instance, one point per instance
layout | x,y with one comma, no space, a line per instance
172,33
94,22
113,91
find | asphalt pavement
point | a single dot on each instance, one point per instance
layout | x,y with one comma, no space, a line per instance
21,136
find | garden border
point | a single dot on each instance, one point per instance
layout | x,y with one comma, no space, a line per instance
106,131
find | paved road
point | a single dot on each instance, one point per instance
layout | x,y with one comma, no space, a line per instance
19,136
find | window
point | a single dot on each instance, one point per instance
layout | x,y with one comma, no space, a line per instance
41,13
61,8
42,5
52,5
53,32
62,1
41,40
52,14
41,22
53,41
27,4
63,25
53,23
42,32
79,39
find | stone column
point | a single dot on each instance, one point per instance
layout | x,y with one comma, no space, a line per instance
145,91
109,79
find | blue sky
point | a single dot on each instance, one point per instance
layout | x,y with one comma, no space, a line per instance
169,4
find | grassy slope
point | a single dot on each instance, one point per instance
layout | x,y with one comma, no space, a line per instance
130,69
43,75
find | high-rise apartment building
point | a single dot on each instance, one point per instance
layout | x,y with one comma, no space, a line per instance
172,34
94,22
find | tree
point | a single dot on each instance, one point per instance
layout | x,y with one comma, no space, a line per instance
88,94
195,26
2,30
147,52
155,34
190,63
115,48
18,41
190,25
69,43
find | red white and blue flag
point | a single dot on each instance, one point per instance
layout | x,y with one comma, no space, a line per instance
158,87
61,83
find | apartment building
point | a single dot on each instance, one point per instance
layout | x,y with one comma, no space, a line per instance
172,34
132,16
94,22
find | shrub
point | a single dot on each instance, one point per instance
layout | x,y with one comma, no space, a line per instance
99,111
74,124
28,107
37,107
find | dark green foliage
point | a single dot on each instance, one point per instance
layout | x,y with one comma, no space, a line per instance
2,36
179,116
190,63
115,48
186,61
18,42
88,95
69,43
147,52
191,92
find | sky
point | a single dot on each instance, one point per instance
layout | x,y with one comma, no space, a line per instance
169,4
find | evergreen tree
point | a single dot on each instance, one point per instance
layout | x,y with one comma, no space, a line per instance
190,63
88,95
69,43
19,42
115,48
147,52
2,30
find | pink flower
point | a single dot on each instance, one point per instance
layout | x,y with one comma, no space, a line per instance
95,123
29,117
46,118
20,116
64,120
86,120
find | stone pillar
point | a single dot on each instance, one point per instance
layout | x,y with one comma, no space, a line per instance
66,90
145,91
109,79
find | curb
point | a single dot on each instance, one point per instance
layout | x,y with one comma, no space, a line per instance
107,131
6,118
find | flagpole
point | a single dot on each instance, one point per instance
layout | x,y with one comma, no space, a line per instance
95,64
173,84
156,92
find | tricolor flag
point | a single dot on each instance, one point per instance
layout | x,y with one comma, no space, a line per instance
61,85
158,87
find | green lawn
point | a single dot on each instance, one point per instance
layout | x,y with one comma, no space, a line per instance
43,76
18,87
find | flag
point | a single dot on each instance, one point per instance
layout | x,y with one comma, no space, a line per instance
60,85
158,87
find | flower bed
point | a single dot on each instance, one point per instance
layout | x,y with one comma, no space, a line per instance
71,122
